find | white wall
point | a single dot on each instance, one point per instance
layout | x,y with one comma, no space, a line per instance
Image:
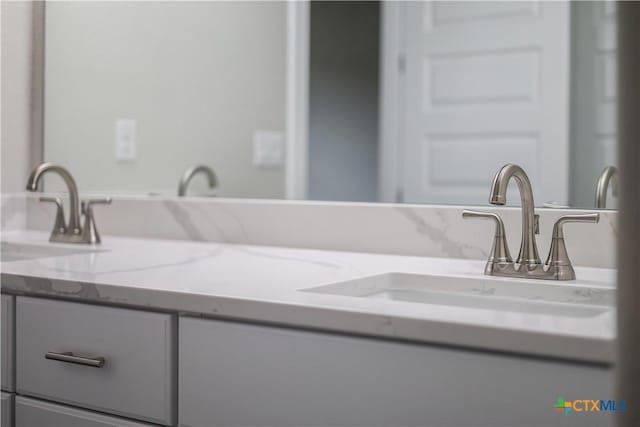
199,78
16,94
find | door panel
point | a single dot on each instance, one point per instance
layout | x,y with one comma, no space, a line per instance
234,374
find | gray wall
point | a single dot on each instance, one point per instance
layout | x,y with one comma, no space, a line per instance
343,109
199,78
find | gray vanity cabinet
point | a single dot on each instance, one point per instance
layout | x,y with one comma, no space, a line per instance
234,374
7,326
36,413
59,345
6,415
138,367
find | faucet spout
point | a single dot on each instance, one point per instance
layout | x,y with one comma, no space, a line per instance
74,211
608,175
528,249
189,174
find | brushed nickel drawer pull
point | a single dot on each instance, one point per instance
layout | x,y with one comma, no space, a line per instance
95,362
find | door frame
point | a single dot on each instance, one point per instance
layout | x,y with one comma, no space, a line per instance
390,132
297,99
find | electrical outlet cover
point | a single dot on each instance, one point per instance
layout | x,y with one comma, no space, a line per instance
268,148
126,140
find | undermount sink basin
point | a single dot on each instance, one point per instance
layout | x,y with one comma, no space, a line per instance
484,293
10,251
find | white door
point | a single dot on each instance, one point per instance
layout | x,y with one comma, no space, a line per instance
484,84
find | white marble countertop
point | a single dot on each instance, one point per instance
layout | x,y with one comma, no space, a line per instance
261,283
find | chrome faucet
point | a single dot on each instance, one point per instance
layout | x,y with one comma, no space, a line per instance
608,175
558,265
190,172
73,231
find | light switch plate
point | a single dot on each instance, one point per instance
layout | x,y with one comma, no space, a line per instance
126,140
268,148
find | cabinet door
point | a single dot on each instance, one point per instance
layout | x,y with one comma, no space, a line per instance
6,415
234,374
36,413
7,326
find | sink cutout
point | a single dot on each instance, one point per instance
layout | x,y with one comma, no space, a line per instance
496,294
10,251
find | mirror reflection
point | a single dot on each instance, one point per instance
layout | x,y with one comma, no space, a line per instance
418,102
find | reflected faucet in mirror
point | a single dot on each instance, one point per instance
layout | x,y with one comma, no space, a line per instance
527,265
73,231
608,176
189,174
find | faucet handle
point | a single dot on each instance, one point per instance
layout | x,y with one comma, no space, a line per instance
87,204
59,226
557,227
500,249
89,230
99,201
558,258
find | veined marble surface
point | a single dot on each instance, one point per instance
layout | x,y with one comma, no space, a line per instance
402,229
260,283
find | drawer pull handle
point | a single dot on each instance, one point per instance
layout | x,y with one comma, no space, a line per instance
96,362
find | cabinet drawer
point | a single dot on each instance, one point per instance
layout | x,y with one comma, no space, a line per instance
6,414
35,413
6,320
138,377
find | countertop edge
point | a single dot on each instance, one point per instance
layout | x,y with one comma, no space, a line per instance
371,325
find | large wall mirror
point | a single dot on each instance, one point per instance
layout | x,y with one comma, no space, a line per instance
417,102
